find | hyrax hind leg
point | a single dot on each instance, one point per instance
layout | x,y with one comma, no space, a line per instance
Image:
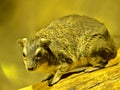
100,51
96,63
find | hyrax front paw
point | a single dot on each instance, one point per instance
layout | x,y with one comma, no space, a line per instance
49,77
50,82
59,73
53,81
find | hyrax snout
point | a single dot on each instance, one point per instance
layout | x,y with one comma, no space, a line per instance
66,44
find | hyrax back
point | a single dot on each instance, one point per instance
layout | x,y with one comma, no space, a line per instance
67,43
77,37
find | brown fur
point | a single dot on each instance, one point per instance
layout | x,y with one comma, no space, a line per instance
70,42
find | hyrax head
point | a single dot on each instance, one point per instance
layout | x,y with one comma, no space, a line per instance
34,52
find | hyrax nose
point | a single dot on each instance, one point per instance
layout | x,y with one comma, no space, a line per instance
30,69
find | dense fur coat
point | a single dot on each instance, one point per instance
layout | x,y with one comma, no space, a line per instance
67,43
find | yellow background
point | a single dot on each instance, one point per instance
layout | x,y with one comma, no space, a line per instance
22,18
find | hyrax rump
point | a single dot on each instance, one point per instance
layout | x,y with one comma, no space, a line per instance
68,43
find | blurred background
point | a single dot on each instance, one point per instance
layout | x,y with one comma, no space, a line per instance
22,18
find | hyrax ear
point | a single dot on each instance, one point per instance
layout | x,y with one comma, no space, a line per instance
22,42
44,42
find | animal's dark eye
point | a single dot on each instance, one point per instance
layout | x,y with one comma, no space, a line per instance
39,54
24,55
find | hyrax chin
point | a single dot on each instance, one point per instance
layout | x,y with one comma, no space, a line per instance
68,44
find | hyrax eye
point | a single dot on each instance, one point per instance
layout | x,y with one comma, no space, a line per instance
24,55
39,54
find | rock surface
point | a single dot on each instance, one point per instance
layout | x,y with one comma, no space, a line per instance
103,79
